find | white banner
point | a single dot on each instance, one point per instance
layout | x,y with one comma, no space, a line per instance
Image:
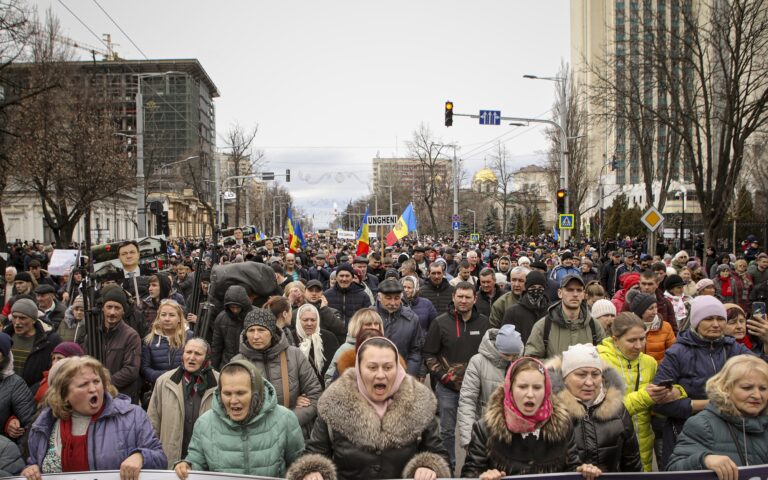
346,235
62,262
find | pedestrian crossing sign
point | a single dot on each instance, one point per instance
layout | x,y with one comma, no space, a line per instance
565,221
474,237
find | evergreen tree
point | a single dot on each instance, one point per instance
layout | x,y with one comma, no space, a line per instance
491,224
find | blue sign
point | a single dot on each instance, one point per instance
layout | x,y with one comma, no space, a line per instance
456,225
565,221
490,117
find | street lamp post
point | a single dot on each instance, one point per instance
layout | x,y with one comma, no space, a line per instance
561,81
683,193
474,220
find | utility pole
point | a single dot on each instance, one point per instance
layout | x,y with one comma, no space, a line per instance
455,191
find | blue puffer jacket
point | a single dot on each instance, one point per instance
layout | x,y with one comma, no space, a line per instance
121,430
158,358
425,310
690,362
347,300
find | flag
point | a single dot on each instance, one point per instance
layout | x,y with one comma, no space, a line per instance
262,236
295,237
405,224
554,232
300,235
362,236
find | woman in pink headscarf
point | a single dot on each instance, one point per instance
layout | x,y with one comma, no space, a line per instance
374,422
525,430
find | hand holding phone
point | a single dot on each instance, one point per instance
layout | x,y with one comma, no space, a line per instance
758,310
666,384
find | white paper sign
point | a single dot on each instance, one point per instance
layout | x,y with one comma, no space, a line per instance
61,262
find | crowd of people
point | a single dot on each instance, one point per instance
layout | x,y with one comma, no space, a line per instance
429,359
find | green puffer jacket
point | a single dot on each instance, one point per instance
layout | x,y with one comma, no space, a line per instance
709,433
265,445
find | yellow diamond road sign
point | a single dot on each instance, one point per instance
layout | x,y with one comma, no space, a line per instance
652,219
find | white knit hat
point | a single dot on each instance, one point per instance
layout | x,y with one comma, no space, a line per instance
581,355
603,307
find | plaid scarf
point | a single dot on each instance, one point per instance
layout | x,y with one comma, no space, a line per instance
197,381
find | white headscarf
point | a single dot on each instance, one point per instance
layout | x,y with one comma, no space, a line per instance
310,343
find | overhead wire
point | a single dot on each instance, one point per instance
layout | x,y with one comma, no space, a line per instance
121,29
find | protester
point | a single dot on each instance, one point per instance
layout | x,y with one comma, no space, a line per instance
375,422
294,292
422,307
604,312
179,398
525,430
363,319
283,311
533,305
33,341
346,296
228,326
330,318
488,292
51,308
63,350
162,348
316,343
437,289
401,325
264,345
246,431
17,406
698,354
86,426
72,328
736,327
659,335
593,395
732,430
485,372
517,280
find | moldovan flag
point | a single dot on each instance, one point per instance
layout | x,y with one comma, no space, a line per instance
362,236
405,224
295,237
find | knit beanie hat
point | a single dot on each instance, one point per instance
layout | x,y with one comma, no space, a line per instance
263,318
642,302
5,344
673,281
706,306
523,260
704,283
603,307
68,349
26,307
114,293
78,301
23,277
509,341
579,356
535,277
345,267
692,265
629,280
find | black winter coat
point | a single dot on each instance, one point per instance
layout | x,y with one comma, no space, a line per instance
604,433
441,296
347,301
228,327
484,302
523,315
15,396
39,359
493,446
350,436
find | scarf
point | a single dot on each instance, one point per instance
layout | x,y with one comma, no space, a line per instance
380,407
653,325
74,448
678,305
311,344
196,382
514,418
745,341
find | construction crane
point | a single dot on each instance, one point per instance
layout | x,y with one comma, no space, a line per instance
109,55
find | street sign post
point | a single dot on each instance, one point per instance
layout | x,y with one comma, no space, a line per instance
381,220
565,221
456,225
652,219
474,237
455,218
490,117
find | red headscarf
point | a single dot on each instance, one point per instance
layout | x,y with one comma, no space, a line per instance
514,418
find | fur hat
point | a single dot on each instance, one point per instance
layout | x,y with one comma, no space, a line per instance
673,281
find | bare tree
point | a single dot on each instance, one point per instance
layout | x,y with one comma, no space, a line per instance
64,145
581,178
500,164
243,160
424,147
707,64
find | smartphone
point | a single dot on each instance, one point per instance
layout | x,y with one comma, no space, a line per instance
666,383
758,308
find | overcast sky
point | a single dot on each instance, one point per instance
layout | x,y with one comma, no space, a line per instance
332,83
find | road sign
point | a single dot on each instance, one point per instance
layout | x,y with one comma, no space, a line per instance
490,117
652,219
456,225
456,217
229,195
565,221
380,220
474,237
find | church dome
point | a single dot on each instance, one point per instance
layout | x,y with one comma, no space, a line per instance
484,175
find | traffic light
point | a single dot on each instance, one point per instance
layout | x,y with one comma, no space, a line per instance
287,175
164,224
448,113
561,194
